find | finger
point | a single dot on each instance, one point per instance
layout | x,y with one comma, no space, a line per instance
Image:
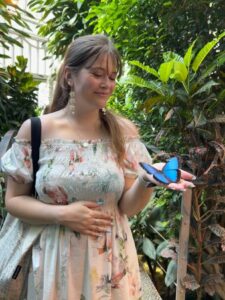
152,179
187,175
103,223
102,215
181,186
100,229
176,187
188,184
90,204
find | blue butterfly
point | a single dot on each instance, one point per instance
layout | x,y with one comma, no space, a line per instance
170,172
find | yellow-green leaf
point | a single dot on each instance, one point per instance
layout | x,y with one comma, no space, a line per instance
188,55
165,70
205,51
180,71
145,68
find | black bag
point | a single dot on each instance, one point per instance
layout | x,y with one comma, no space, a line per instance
18,237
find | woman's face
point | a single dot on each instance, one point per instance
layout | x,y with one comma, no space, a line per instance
94,85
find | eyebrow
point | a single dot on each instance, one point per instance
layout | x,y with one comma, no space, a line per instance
102,69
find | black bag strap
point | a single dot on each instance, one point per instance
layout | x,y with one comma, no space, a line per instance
35,145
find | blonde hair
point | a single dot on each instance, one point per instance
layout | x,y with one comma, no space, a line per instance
83,52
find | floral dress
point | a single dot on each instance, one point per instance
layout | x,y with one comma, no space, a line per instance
67,265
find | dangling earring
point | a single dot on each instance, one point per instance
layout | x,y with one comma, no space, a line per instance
103,111
72,102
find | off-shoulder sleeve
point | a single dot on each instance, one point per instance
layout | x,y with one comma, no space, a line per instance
136,152
17,162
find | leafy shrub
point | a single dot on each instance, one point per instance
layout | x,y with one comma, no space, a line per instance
18,95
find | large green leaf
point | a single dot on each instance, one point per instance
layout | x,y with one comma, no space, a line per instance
165,70
169,56
180,71
217,62
205,51
145,68
138,81
149,248
171,273
188,55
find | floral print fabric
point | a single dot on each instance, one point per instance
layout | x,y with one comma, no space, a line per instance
67,265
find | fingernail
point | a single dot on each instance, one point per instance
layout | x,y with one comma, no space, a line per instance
194,177
191,186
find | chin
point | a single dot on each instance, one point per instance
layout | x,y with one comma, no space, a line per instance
102,104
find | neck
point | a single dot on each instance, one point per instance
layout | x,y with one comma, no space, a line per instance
85,119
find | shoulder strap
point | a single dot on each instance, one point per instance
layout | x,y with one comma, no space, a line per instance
35,145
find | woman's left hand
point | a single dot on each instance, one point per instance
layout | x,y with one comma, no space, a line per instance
182,185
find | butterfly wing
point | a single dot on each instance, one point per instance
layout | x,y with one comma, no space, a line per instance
158,175
171,170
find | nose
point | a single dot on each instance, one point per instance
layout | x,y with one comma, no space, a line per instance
105,82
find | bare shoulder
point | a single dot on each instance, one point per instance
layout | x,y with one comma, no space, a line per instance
24,131
129,129
47,124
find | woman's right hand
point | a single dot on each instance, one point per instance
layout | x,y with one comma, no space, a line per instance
85,217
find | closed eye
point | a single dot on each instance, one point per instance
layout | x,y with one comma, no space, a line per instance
112,78
97,74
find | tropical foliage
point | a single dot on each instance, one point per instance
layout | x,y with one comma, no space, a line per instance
18,89
142,29
18,96
18,101
63,21
11,21
191,102
184,94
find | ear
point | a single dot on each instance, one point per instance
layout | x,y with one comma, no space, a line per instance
68,76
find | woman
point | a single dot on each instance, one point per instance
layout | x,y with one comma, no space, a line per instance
87,184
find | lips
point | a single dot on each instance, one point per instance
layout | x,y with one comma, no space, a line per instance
102,94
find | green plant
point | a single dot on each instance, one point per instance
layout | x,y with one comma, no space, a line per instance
155,231
190,99
184,97
12,19
18,99
64,21
12,14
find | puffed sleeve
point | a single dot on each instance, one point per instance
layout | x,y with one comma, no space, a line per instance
17,162
136,152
